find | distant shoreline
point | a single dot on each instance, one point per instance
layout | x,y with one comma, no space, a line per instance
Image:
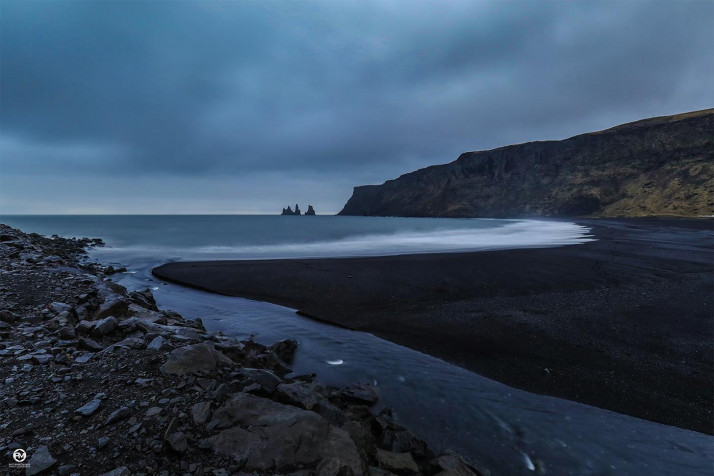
624,323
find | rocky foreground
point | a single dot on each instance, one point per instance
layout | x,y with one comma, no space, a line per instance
98,380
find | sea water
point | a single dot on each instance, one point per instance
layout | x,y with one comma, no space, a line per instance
510,431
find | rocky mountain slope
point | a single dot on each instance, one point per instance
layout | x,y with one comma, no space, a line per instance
653,167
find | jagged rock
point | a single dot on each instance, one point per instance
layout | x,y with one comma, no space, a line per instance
297,394
117,415
112,306
194,358
66,333
83,358
40,461
201,412
360,431
452,464
41,358
159,344
177,441
278,436
89,344
152,412
362,393
186,334
334,467
329,412
144,299
59,307
266,379
196,323
89,408
84,327
105,326
397,438
288,211
268,360
400,463
285,350
8,316
128,343
310,210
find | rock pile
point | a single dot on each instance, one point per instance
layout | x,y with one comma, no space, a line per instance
98,380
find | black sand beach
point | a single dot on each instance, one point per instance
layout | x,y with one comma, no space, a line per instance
623,323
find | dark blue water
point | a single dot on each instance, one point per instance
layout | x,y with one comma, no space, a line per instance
511,431
261,236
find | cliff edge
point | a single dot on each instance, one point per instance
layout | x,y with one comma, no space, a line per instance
662,166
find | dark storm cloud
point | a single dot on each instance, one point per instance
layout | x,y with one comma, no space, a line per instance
329,91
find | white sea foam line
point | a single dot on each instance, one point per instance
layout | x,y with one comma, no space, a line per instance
518,234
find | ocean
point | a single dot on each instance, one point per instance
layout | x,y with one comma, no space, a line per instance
195,237
513,432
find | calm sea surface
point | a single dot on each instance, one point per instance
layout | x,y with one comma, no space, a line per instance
510,431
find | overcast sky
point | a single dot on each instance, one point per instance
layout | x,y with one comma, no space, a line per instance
246,107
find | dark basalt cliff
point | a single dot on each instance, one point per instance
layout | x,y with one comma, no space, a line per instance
652,167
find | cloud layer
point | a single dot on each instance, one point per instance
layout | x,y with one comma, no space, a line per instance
248,106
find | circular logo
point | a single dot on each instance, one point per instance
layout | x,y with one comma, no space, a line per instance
19,455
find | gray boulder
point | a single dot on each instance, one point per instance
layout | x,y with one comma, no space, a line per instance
452,464
84,327
105,326
113,305
402,463
194,358
158,343
265,378
297,394
273,436
117,415
200,412
89,408
40,461
285,350
363,393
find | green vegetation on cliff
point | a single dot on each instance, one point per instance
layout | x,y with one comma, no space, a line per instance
662,166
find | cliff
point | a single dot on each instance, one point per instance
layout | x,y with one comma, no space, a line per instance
652,167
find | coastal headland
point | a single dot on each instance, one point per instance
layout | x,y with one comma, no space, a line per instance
623,323
661,166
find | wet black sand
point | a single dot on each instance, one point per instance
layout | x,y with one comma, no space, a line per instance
624,323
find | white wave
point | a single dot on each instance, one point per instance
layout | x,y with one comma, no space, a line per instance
512,234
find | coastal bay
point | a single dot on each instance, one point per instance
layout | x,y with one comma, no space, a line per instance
623,323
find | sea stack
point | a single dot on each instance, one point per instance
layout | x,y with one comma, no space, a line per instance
289,211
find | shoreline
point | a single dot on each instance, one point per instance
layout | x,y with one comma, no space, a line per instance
97,379
590,322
